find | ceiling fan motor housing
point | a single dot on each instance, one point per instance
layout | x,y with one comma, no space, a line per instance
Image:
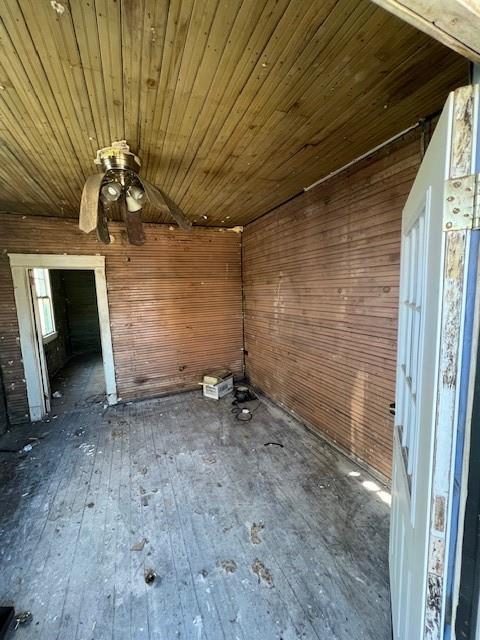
117,157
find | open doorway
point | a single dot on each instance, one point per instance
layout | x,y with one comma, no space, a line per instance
66,304
65,338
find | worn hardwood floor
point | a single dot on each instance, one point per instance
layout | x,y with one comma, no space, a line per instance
247,541
81,382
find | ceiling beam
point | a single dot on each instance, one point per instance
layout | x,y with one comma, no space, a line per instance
454,23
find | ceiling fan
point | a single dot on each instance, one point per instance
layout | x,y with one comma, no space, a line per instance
120,183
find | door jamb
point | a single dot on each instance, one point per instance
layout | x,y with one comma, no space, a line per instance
20,265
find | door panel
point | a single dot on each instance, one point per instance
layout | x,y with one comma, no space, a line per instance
39,345
431,315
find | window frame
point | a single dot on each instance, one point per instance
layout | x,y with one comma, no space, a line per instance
51,335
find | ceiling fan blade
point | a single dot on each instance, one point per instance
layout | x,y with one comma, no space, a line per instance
176,213
89,205
159,199
102,227
133,223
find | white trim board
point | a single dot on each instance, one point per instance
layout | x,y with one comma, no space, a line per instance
56,261
21,264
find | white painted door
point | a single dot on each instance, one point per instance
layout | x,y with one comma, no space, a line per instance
435,231
45,381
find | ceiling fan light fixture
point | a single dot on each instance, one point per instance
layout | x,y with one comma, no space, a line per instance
111,191
132,204
135,198
137,193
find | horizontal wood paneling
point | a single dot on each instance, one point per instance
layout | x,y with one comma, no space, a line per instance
233,107
320,297
175,303
3,408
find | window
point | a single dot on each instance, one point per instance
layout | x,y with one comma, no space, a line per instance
411,308
43,292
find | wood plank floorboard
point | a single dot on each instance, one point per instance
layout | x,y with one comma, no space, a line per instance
180,476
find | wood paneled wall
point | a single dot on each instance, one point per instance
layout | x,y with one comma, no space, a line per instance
320,297
3,408
175,303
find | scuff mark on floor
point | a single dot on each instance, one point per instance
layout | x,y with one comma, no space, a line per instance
197,621
262,572
229,566
255,530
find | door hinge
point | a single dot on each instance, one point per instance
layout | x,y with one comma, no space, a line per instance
462,203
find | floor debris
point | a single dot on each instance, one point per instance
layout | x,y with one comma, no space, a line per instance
255,532
138,546
24,618
150,576
88,449
146,495
229,566
273,444
56,394
262,572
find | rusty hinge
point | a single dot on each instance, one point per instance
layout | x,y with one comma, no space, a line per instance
462,203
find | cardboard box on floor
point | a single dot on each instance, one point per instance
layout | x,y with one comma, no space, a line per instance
217,384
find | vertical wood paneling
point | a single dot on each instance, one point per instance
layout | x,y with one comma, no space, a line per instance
320,296
175,303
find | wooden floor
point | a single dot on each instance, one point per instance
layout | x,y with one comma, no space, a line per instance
81,382
247,541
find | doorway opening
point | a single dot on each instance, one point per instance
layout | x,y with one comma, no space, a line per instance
63,316
66,303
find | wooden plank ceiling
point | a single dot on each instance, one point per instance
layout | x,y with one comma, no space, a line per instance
456,23
233,106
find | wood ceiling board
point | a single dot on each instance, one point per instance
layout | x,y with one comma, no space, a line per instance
302,165
252,80
233,107
30,81
354,106
454,23
267,87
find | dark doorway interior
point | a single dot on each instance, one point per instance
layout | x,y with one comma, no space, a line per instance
74,355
